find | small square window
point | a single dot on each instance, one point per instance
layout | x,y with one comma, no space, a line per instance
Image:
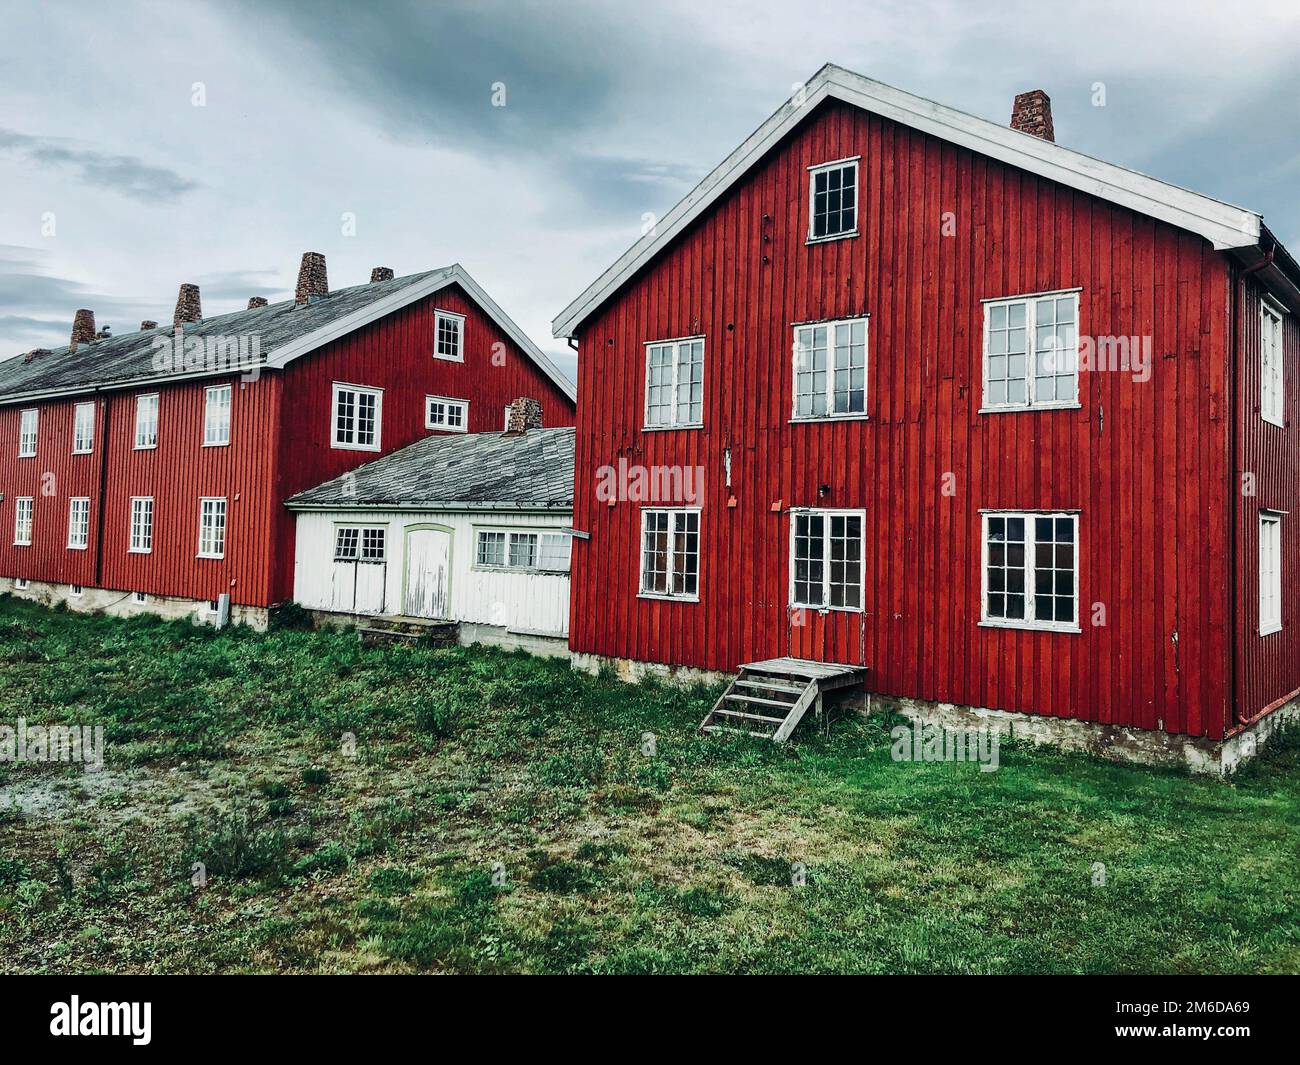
139,598
76,591
450,415
449,336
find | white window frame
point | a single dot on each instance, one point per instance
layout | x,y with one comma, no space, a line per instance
21,540
458,320
827,513
204,523
216,433
139,598
1031,352
674,515
676,343
1270,572
510,535
821,168
343,445
83,445
506,427
447,403
141,405
1028,621
1272,371
362,552
21,584
76,591
795,348
76,503
142,509
28,440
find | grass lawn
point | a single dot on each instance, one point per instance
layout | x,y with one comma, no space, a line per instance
497,813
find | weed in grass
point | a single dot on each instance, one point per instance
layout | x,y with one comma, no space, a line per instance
234,844
562,877
394,880
315,776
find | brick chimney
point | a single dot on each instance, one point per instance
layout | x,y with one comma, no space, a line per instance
381,273
525,413
1032,113
256,301
83,329
148,324
312,282
188,308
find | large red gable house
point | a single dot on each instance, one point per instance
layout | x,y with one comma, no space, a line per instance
148,471
1013,428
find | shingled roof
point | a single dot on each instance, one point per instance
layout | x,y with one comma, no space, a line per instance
478,471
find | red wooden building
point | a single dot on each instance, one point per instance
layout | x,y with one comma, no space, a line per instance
148,471
1012,427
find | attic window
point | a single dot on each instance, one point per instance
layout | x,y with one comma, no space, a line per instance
449,336
833,200
443,413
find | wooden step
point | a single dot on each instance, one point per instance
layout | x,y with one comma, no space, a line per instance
761,702
737,731
749,717
805,680
771,685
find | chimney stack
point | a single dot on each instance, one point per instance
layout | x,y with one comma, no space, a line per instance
256,301
148,324
83,328
381,273
312,282
188,308
1032,113
525,413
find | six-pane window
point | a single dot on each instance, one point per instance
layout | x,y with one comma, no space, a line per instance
830,369
443,413
1031,347
78,523
146,421
542,552
27,433
827,555
141,524
83,429
1270,573
450,335
675,383
833,192
1031,570
354,543
670,553
212,528
1272,407
356,417
23,509
216,416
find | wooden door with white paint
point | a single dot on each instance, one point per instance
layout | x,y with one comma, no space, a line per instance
428,572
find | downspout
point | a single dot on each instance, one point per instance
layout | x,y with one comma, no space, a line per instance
102,492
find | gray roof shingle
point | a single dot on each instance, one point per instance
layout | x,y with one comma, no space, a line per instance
492,470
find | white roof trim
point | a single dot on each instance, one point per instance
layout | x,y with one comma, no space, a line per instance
1223,224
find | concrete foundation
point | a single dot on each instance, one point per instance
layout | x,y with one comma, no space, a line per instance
468,635
122,604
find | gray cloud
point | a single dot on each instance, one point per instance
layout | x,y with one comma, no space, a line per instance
124,174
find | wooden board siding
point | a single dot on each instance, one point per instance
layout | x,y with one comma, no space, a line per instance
1267,667
1145,464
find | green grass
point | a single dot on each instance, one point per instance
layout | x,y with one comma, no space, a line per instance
405,809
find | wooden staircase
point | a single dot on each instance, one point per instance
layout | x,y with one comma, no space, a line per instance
384,631
768,699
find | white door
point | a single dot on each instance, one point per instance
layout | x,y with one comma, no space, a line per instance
428,572
344,591
371,578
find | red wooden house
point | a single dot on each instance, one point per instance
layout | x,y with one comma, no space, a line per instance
148,471
1013,428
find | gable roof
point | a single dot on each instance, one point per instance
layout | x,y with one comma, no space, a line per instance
285,332
1223,224
475,471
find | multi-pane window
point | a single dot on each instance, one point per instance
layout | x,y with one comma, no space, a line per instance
670,553
675,383
83,429
356,417
373,543
826,549
216,416
449,336
1272,407
212,528
542,552
353,543
523,550
1270,573
146,421
491,548
833,196
24,507
830,369
1031,570
78,523
141,524
553,553
443,413
1031,347
27,433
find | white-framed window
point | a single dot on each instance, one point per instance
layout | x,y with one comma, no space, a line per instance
212,527
216,416
83,429
141,525
554,552
146,421
139,598
356,418
449,336
78,523
20,584
214,606
360,543
670,554
443,413
833,199
1031,351
537,551
674,391
30,421
24,508
1272,390
1270,573
826,559
505,427
830,369
75,591
1030,564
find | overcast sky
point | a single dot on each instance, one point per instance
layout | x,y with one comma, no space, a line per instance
117,187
